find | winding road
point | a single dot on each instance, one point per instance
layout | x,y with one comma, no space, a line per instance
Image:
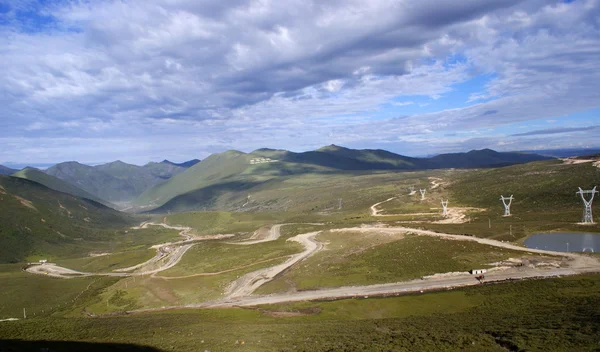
240,291
167,256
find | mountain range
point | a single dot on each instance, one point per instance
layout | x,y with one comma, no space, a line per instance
165,186
235,173
116,181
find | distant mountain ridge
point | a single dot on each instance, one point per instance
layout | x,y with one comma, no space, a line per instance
116,181
235,171
7,170
56,184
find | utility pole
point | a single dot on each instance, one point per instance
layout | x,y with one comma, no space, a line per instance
445,208
587,211
506,205
24,314
339,203
489,223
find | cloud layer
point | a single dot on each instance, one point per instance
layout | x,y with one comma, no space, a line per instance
102,80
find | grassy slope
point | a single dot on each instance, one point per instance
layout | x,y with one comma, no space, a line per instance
545,315
55,183
544,193
301,193
222,180
93,181
211,257
365,259
38,221
215,167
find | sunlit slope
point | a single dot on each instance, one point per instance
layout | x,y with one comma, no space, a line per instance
220,180
36,220
54,183
228,171
233,171
537,187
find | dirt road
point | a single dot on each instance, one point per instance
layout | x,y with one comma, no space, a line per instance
248,283
241,290
167,256
273,234
391,288
375,212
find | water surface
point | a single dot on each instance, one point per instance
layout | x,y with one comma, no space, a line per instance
565,241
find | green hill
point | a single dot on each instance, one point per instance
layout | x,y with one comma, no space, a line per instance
116,181
482,158
214,169
92,180
38,221
225,178
6,170
55,183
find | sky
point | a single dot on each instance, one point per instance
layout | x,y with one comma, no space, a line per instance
138,81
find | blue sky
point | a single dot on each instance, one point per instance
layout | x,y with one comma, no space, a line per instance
96,81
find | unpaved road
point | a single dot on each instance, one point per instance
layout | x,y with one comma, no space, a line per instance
455,215
167,256
375,212
240,293
273,234
391,288
248,283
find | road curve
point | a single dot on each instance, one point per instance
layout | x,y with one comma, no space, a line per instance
248,283
375,212
240,294
167,256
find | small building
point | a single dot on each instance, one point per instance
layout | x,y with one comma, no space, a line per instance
478,271
43,261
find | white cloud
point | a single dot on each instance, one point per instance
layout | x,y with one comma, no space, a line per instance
247,74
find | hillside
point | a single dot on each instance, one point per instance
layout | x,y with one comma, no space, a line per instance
232,174
93,181
6,170
482,158
116,181
38,221
55,183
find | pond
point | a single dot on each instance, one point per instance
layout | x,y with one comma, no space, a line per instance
565,241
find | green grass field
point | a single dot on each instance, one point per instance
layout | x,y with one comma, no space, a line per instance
542,315
365,259
212,257
110,262
44,296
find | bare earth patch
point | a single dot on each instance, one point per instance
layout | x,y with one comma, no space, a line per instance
25,202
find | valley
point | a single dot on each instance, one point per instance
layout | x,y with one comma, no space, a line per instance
296,247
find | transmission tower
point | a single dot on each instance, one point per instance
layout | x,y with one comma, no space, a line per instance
506,205
422,193
587,212
445,208
411,189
